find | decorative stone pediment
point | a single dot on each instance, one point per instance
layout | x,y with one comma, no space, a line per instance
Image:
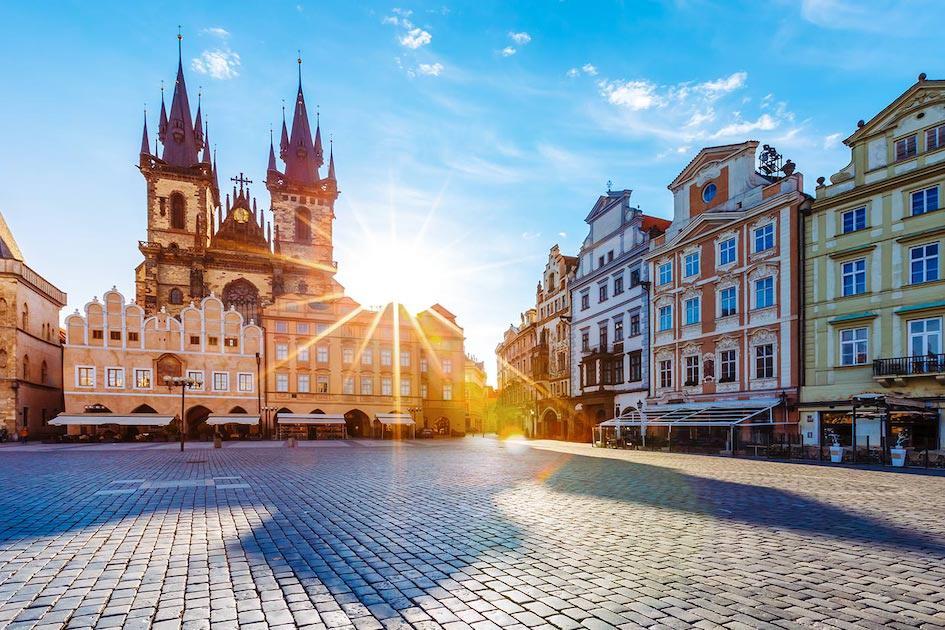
726,343
690,293
763,336
692,350
763,271
664,354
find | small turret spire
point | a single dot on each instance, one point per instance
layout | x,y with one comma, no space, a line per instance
272,153
206,143
162,123
331,158
145,147
198,122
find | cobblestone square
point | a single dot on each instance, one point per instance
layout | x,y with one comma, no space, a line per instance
459,534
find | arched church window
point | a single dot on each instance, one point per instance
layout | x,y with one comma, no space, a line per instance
303,225
177,211
26,367
176,296
243,296
43,373
26,317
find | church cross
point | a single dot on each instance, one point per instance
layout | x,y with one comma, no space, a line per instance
241,180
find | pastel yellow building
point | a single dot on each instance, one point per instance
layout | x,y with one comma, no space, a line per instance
874,285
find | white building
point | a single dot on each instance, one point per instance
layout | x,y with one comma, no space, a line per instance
609,343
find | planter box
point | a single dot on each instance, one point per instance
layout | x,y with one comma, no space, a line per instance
836,454
898,457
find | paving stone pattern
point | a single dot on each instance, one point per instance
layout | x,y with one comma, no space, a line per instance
460,534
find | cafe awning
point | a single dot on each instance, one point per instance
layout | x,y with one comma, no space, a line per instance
217,419
310,418
98,419
394,418
755,412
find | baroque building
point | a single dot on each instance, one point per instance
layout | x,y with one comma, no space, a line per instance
874,241
516,358
200,243
609,345
30,346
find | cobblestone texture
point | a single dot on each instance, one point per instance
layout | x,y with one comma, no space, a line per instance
460,534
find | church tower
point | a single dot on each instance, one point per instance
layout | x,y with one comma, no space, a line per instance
182,192
303,205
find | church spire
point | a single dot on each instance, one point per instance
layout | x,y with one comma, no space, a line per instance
331,159
319,154
145,146
272,154
206,143
301,166
198,123
162,124
180,149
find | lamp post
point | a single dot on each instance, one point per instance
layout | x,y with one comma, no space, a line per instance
412,411
183,382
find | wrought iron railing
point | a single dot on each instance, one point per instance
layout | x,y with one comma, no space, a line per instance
910,366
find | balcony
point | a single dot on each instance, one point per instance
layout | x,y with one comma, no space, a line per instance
896,370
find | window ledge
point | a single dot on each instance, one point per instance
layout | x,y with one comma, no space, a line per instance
922,214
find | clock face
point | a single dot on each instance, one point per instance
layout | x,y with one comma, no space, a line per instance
241,215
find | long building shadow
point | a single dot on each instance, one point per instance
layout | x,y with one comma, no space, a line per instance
635,483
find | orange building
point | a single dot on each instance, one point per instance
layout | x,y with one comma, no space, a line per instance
725,300
116,358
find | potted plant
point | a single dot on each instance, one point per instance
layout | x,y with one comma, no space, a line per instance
897,453
836,451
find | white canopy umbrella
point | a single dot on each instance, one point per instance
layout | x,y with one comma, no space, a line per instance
99,419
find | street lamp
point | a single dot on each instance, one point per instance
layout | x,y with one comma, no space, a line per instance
183,382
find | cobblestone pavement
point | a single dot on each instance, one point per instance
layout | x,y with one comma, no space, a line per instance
457,534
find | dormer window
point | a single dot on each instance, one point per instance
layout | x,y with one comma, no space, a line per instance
708,193
906,148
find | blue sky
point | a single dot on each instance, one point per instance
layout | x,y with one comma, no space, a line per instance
469,136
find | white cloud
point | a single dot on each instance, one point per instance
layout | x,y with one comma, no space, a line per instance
521,38
832,141
218,64
430,69
530,236
589,70
701,118
508,51
877,16
724,85
216,31
573,72
635,95
765,122
415,38
563,234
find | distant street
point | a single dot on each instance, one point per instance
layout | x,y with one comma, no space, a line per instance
458,534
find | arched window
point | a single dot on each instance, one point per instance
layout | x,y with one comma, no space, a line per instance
303,225
26,367
177,211
243,296
43,373
26,317
176,296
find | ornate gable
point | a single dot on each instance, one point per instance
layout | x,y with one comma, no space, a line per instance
922,93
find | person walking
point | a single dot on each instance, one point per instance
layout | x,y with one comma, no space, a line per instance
24,435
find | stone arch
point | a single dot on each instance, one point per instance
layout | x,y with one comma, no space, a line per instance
242,296
43,373
550,426
197,422
358,423
442,425
25,317
317,411
178,211
144,409
26,367
237,409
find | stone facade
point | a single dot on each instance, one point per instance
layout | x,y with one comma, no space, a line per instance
518,391
474,379
30,347
336,357
116,356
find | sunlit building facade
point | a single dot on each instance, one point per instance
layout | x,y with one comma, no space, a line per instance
515,370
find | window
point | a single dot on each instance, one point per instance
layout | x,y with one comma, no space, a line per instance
385,357
386,389
197,377
404,358
176,296
729,301
666,273
935,138
301,328
177,211
282,382
404,387
602,336
692,264
764,237
727,251
636,366
925,200
666,374
97,334
230,342
114,335
367,356
195,340
708,193
618,285
321,354
727,366
133,336
600,261
693,311
853,220
301,356
85,377
618,330
303,225
347,355
303,383
114,377
447,391
692,371
585,301
764,292
367,386
610,255
282,351
602,293
246,382
347,385
142,379
321,384
764,361
447,366
634,325
853,346
585,341
44,374
321,328
221,381
282,327
212,341
853,274
925,336
923,263
424,390
618,370
634,278
424,365
666,317
906,148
